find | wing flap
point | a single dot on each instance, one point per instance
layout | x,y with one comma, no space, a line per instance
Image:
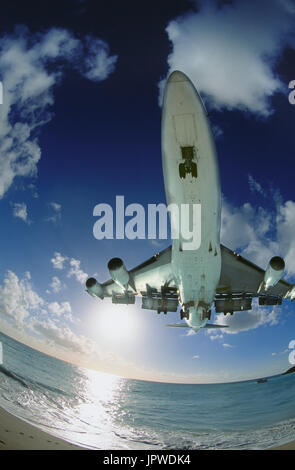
155,273
238,275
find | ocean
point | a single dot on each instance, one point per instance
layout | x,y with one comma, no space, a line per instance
103,411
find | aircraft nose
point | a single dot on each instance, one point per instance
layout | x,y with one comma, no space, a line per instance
177,76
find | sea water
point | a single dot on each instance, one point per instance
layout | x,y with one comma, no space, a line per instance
103,411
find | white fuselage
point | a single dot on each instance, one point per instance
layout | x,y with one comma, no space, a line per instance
191,177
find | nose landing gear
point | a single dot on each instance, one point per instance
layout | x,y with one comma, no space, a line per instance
188,166
184,314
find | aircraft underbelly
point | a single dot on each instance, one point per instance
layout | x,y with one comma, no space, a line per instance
191,178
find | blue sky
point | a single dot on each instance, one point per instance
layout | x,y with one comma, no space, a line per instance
80,123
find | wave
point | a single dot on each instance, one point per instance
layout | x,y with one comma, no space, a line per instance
28,383
52,389
14,376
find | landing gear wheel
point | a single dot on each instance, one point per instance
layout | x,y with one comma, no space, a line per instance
182,170
194,170
183,315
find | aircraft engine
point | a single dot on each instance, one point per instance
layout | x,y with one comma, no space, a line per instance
274,272
94,288
118,272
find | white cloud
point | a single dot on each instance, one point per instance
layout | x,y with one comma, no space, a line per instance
285,222
255,186
258,233
250,319
29,77
230,51
73,265
190,332
20,210
59,309
56,284
77,272
30,319
226,345
32,187
56,207
58,260
98,65
61,336
196,357
216,130
18,299
20,303
249,229
280,353
215,336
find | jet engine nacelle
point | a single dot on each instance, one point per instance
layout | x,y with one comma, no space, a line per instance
274,272
118,272
94,288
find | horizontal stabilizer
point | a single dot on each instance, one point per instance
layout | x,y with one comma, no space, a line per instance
211,325
184,325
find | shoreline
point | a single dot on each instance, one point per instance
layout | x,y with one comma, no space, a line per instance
288,446
17,434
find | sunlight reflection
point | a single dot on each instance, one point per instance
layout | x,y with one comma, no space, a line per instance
101,387
100,395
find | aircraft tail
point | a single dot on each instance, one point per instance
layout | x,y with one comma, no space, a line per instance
184,325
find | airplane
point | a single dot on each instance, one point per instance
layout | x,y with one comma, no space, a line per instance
195,279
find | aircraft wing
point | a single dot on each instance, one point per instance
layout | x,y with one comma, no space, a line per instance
156,272
241,280
153,280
